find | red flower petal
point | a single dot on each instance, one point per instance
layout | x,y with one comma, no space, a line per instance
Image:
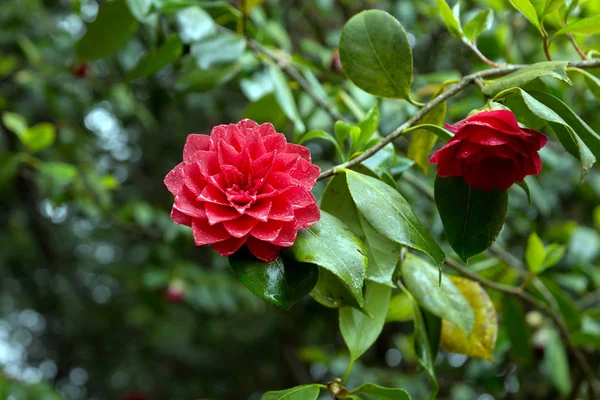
216,213
267,231
194,143
186,203
264,251
294,148
208,234
260,210
241,226
180,218
174,179
281,209
212,194
229,246
307,216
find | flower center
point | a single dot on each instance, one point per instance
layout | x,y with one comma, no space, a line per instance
242,196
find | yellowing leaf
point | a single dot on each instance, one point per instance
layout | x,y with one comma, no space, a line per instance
422,140
482,340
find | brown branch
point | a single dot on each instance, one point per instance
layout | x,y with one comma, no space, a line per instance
479,54
576,46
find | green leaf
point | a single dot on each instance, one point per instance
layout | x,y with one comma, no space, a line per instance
331,245
376,55
9,166
155,60
482,21
331,292
566,305
222,48
390,215
592,81
200,80
584,26
304,392
368,125
582,130
564,132
358,329
282,282
550,7
400,308
517,330
58,172
14,122
554,253
482,340
39,137
584,339
451,21
423,140
472,218
555,359
113,26
139,8
342,131
421,344
519,78
321,134
528,10
284,97
194,24
535,253
381,393
382,253
445,300
442,134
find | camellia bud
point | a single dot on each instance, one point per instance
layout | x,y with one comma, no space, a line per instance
80,70
336,64
175,292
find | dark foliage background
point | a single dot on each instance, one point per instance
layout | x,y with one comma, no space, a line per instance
89,256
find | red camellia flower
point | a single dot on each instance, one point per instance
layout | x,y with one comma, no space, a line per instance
244,184
490,151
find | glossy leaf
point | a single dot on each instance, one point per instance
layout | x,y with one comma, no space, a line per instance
521,77
376,55
155,60
445,300
581,128
282,282
550,7
400,308
422,140
381,393
113,26
304,392
472,218
528,10
482,21
535,253
442,134
451,21
513,319
368,125
480,343
222,48
584,26
331,292
390,215
285,98
382,253
557,362
330,244
321,134
358,329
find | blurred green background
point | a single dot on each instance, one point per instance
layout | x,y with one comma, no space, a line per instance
103,296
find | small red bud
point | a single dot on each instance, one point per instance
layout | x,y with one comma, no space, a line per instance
80,70
175,292
336,63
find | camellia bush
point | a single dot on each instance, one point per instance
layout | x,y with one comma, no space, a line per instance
368,200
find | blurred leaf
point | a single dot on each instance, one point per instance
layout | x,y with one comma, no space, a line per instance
331,245
440,132
550,7
592,81
554,253
155,60
480,343
155,279
390,215
555,359
445,300
451,21
525,186
566,304
597,217
535,253
376,55
113,26
342,131
423,140
359,330
472,218
194,24
320,134
14,122
200,80
382,254
528,10
282,282
258,85
518,332
381,393
248,5
368,125
139,8
583,339
482,21
284,97
584,26
304,392
9,166
222,48
59,172
39,137
400,308
519,78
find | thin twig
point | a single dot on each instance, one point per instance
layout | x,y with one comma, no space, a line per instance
479,54
459,87
526,297
576,46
